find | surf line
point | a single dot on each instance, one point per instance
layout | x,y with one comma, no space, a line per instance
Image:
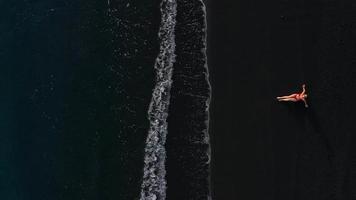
154,182
208,100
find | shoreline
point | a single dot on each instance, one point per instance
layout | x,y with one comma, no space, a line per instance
209,106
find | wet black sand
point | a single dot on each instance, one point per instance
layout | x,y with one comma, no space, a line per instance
262,149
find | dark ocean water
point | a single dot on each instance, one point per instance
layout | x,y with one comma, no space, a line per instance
76,80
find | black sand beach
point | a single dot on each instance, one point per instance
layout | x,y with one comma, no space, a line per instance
263,149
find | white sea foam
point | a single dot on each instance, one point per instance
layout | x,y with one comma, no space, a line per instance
207,138
154,178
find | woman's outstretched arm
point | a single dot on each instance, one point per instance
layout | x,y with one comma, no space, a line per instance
303,89
305,103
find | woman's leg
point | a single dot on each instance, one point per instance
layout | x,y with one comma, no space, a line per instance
286,99
289,97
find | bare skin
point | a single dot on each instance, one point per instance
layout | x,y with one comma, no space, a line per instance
295,97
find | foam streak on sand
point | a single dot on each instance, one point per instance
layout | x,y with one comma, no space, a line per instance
154,177
207,122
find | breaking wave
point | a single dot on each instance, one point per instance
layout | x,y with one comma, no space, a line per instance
154,178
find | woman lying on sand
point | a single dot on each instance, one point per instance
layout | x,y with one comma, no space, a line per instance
295,97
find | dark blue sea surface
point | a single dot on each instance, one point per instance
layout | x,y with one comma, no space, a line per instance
77,80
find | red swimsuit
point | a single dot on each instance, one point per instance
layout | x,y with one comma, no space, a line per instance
298,97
